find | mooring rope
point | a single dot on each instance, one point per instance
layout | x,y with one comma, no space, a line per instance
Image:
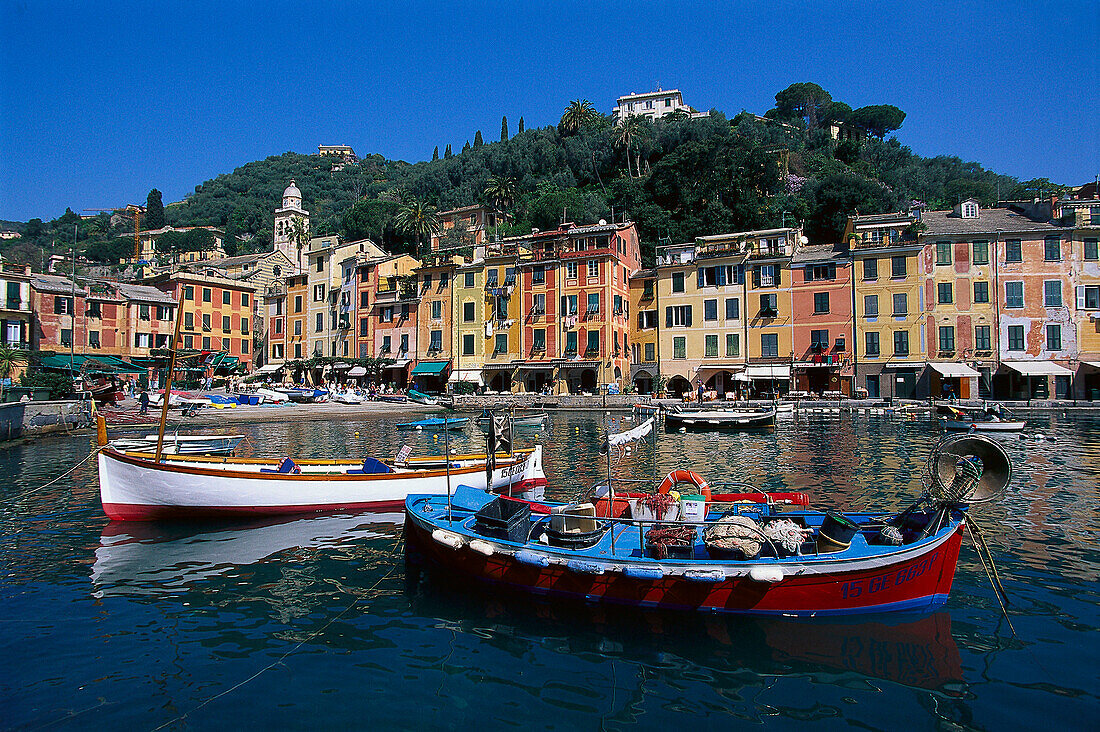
13,499
994,578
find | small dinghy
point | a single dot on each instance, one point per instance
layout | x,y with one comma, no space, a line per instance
719,419
435,423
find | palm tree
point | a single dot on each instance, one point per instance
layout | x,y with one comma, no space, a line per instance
578,114
10,359
299,236
628,130
419,219
501,191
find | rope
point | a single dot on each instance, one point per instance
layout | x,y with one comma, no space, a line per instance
68,472
998,589
281,658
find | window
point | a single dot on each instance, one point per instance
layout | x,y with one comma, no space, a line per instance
647,319
387,344
277,351
225,344
568,305
206,322
207,295
733,308
188,293
710,310
981,338
63,305
733,345
161,340
93,338
873,386
227,298
570,270
1013,251
244,326
320,264
677,281
618,305
947,338
901,343
320,324
710,346
297,327
1088,297
467,312
821,302
1091,249
278,326
143,312
490,278
870,306
244,347
538,273
298,303
981,291
1054,337
820,272
870,269
769,345
206,343
404,343
819,340
593,345
718,276
1052,249
364,327
538,340
571,343
593,303
981,252
435,341
501,345
765,276
943,293
1094,215
679,347
225,324
244,304
386,314
437,309
142,340
593,268
870,339
1052,293
1015,337
1014,294
769,305
679,315
427,281
468,280
164,313
970,210
468,344
650,352
509,275
943,253
898,268
318,293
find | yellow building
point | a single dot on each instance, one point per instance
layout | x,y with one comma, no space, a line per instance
644,365
503,309
769,314
435,322
889,348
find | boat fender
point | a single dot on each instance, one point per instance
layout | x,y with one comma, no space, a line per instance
649,573
770,575
482,547
685,476
704,575
448,538
583,567
533,559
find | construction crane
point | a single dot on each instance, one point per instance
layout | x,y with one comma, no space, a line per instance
134,211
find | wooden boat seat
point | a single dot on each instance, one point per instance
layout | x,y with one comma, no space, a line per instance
371,466
286,467
578,519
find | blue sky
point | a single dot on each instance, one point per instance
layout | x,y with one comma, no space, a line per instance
99,102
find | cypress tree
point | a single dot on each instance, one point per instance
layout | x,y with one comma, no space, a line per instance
504,129
466,146
478,142
520,130
435,153
447,154
154,211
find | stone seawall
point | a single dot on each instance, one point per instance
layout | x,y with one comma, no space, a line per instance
615,402
30,419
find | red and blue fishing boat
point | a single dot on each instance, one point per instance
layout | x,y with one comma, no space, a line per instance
743,552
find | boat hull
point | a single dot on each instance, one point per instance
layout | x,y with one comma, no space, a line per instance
984,426
182,444
133,488
918,578
720,420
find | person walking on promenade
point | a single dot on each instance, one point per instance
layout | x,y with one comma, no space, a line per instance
143,400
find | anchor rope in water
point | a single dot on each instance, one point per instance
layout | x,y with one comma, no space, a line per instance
994,577
280,659
13,499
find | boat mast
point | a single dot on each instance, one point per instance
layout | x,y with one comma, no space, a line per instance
168,377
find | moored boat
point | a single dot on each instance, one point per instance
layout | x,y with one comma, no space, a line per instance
435,423
134,486
421,398
741,556
519,420
181,444
719,418
986,419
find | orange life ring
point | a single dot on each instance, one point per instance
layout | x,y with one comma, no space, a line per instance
685,476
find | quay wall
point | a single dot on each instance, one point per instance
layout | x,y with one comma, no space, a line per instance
30,419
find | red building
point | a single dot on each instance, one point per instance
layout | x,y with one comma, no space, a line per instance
823,324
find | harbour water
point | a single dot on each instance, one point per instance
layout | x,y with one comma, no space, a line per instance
318,623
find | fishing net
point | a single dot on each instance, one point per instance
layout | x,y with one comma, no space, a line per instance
662,537
785,534
735,534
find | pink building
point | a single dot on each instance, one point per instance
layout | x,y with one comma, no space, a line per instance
823,324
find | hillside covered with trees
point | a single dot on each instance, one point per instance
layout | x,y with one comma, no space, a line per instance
678,178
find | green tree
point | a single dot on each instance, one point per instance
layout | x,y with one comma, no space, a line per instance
230,242
504,129
10,359
519,127
154,211
501,191
466,146
877,119
805,100
435,153
371,218
631,129
478,142
299,236
578,114
448,154
418,219
34,230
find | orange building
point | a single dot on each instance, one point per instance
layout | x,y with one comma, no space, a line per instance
821,282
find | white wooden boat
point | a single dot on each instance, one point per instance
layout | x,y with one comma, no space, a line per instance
134,487
181,444
985,425
520,420
720,418
272,396
347,397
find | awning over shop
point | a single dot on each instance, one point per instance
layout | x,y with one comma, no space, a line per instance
953,370
1094,364
705,372
430,368
579,364
1037,368
268,368
399,364
341,366
768,372
473,377
498,367
98,364
357,371
537,366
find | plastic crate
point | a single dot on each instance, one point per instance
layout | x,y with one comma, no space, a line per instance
501,518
